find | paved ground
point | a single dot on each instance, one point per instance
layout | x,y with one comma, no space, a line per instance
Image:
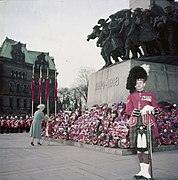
20,161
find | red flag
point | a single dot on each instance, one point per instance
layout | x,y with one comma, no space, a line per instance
33,84
47,89
55,90
39,90
40,85
33,89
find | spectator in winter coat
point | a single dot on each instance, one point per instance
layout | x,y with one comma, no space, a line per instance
35,129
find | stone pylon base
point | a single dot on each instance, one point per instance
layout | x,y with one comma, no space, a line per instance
108,85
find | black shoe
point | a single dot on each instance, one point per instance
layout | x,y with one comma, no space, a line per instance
32,144
138,177
39,143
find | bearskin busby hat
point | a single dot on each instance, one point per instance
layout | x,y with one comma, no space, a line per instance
137,72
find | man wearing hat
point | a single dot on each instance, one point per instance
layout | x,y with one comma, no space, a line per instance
35,129
141,107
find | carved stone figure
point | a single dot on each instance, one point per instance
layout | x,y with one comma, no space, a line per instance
116,41
148,37
104,42
170,28
139,32
95,33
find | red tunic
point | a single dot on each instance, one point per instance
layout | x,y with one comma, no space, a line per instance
138,100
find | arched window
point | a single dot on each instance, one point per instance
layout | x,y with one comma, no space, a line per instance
12,73
24,88
23,75
10,87
19,75
18,88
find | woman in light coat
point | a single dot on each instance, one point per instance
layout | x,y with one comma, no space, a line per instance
35,129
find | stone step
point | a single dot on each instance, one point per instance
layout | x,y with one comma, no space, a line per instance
117,151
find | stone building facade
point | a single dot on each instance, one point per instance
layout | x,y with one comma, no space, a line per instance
16,68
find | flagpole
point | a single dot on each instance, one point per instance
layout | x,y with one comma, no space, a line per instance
32,108
47,89
40,81
55,93
47,99
32,88
55,108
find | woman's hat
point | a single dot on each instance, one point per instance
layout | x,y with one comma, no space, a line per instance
41,107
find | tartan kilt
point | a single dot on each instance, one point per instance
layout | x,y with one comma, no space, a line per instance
133,133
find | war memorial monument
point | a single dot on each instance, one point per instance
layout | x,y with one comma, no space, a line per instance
132,37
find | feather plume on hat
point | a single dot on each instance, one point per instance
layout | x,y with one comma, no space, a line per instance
146,68
137,72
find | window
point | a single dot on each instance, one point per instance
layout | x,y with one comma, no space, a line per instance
18,103
23,75
18,88
12,73
16,74
10,102
25,103
24,88
19,75
10,87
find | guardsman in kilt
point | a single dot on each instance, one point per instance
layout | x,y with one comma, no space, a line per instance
7,124
16,124
27,123
141,107
21,125
12,124
1,125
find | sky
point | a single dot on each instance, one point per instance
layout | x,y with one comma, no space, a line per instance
59,27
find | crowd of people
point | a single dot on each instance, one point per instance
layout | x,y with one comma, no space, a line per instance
103,125
15,124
